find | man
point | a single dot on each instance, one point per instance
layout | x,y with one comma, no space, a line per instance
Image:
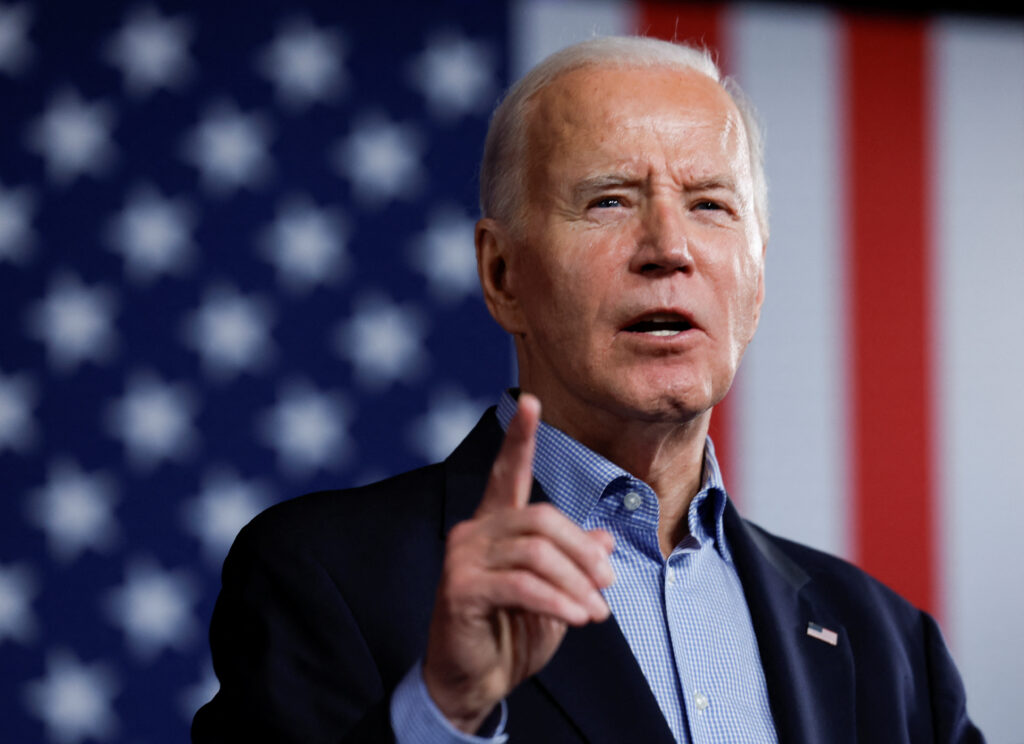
584,578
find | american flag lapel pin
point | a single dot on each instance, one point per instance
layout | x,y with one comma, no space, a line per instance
822,634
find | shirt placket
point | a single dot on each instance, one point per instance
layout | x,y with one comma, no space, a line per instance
686,638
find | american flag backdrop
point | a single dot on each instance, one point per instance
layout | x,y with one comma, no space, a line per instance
236,265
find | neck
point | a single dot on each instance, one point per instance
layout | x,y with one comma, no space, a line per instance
667,456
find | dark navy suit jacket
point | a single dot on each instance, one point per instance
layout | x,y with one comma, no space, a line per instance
327,598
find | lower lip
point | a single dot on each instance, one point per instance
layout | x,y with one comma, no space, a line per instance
650,339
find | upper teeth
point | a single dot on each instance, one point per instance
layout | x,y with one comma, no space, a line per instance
663,324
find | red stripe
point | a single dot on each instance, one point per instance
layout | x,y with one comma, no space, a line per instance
700,25
889,265
693,24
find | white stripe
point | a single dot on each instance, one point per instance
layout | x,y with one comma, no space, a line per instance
790,395
979,311
540,27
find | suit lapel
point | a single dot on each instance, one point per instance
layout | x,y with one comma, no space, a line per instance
595,680
810,682
593,677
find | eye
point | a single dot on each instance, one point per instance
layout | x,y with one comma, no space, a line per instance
708,205
606,202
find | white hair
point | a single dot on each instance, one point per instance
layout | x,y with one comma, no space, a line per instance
502,176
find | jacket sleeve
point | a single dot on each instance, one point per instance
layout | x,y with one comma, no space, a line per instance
948,697
292,662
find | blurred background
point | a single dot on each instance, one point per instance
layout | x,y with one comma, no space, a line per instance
236,265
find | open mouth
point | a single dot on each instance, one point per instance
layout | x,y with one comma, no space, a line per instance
660,324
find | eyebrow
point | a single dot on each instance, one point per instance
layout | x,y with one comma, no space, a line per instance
713,183
623,180
605,181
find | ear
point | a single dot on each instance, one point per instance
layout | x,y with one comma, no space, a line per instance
496,266
760,285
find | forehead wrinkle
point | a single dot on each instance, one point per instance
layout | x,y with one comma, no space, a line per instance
734,140
703,168
561,113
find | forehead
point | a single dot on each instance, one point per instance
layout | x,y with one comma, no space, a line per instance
634,113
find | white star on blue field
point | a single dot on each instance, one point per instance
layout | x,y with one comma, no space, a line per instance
236,265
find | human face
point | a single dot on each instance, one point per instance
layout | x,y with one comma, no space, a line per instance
635,279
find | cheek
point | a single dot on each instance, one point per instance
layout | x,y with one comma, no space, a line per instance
573,274
565,301
564,311
735,285
545,293
746,305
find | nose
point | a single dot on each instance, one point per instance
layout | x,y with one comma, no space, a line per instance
664,243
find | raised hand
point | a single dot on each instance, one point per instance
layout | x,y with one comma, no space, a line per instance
515,577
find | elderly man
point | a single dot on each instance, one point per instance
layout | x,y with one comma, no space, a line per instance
583,576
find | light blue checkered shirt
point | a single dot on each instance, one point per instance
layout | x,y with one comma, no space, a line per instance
685,618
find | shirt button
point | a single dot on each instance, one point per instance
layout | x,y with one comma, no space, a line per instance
670,577
632,501
701,701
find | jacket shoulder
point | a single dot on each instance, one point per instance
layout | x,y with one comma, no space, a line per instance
413,497
840,582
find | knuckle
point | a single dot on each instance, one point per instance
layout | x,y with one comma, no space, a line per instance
460,557
465,533
459,533
535,550
547,510
543,516
522,584
594,553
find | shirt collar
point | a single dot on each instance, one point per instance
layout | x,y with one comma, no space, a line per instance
575,478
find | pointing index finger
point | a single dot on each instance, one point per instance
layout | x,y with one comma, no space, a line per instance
512,473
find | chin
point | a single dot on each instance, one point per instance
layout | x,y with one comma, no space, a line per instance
676,403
